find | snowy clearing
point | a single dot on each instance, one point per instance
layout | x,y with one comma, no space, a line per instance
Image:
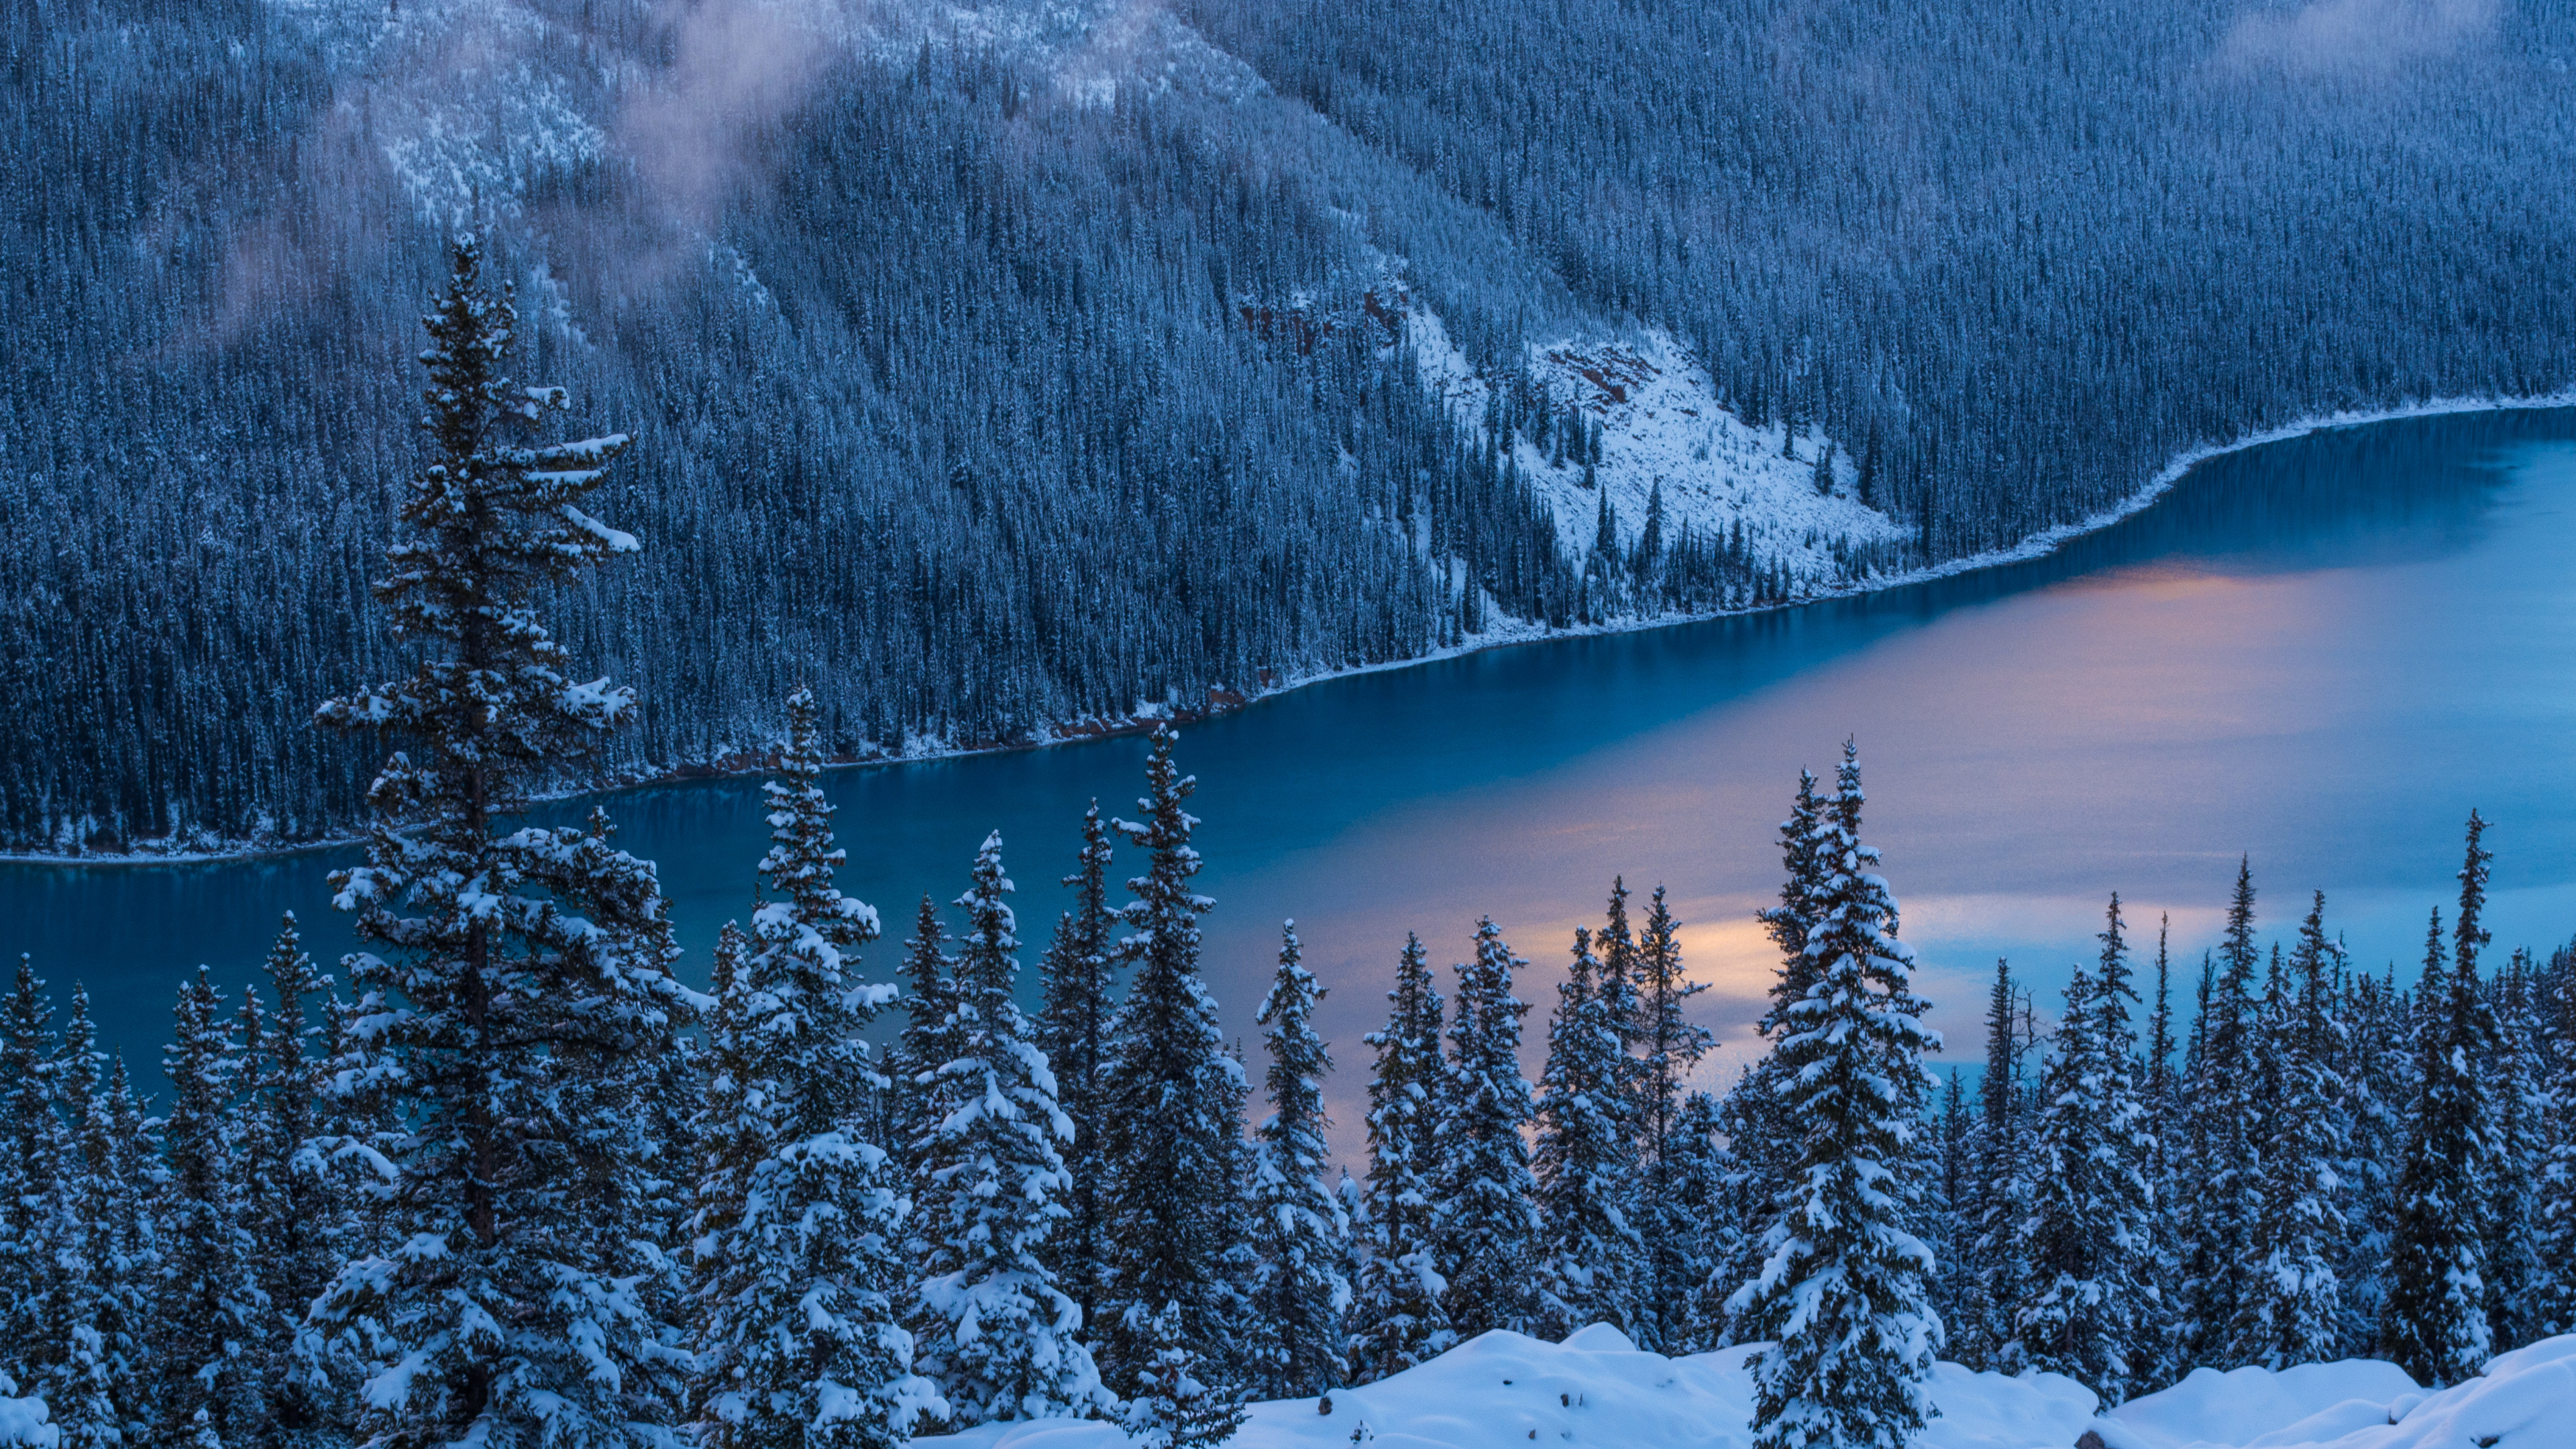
1595,1388
1661,425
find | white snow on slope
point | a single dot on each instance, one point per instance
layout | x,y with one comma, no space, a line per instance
2525,1399
1661,425
1597,1389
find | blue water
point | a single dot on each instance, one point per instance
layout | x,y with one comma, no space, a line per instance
2320,653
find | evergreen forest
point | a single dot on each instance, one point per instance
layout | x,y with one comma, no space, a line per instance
1001,370
503,1179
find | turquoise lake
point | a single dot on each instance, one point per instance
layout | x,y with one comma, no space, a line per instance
2320,653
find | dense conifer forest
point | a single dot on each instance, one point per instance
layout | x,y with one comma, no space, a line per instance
1001,368
505,1180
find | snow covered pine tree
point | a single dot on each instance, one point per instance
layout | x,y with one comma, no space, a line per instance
796,1289
996,1332
1397,1320
1588,1267
1172,1314
1844,1277
518,978
1487,1225
1300,1296
2434,1323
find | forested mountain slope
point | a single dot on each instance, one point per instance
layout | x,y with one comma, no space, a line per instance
1001,367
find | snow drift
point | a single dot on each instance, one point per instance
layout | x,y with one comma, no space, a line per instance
1598,1389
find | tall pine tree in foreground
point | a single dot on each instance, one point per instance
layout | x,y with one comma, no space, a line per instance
208,1307
2091,1299
1300,1295
1172,1314
1079,974
797,1219
1844,1274
1589,1253
2290,1308
2223,1190
1397,1317
1669,1047
2434,1323
514,973
1487,1225
993,1329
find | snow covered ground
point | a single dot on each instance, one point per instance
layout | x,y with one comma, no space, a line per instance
1661,425
1597,1389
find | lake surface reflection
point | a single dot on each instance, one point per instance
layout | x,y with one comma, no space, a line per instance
2320,653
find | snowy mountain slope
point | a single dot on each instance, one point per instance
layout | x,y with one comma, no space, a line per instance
1661,426
1598,1389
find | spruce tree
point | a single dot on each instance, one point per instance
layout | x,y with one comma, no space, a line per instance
2290,1309
1487,1226
2519,1105
1397,1317
31,1167
2555,1302
2224,1191
995,1332
1584,1162
2377,1075
207,1307
1999,1193
1171,1117
925,1044
1079,975
2088,1237
293,1204
514,973
796,1219
1670,1047
107,1260
1844,1276
2434,1322
1301,1295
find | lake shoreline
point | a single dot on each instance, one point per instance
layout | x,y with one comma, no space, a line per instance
1224,702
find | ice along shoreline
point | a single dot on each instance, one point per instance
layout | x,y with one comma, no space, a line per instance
1507,634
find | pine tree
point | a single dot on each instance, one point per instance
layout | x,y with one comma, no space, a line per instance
1702,1175
2224,1191
1845,1277
1999,1193
2555,1302
797,1221
2518,1105
1764,1144
1171,1113
2155,1355
925,1044
1079,976
208,1305
1302,1295
2088,1237
2378,1086
31,1167
107,1255
2290,1309
1671,1047
2434,1323
292,1207
1487,1226
1397,1317
994,1330
1584,1162
515,974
